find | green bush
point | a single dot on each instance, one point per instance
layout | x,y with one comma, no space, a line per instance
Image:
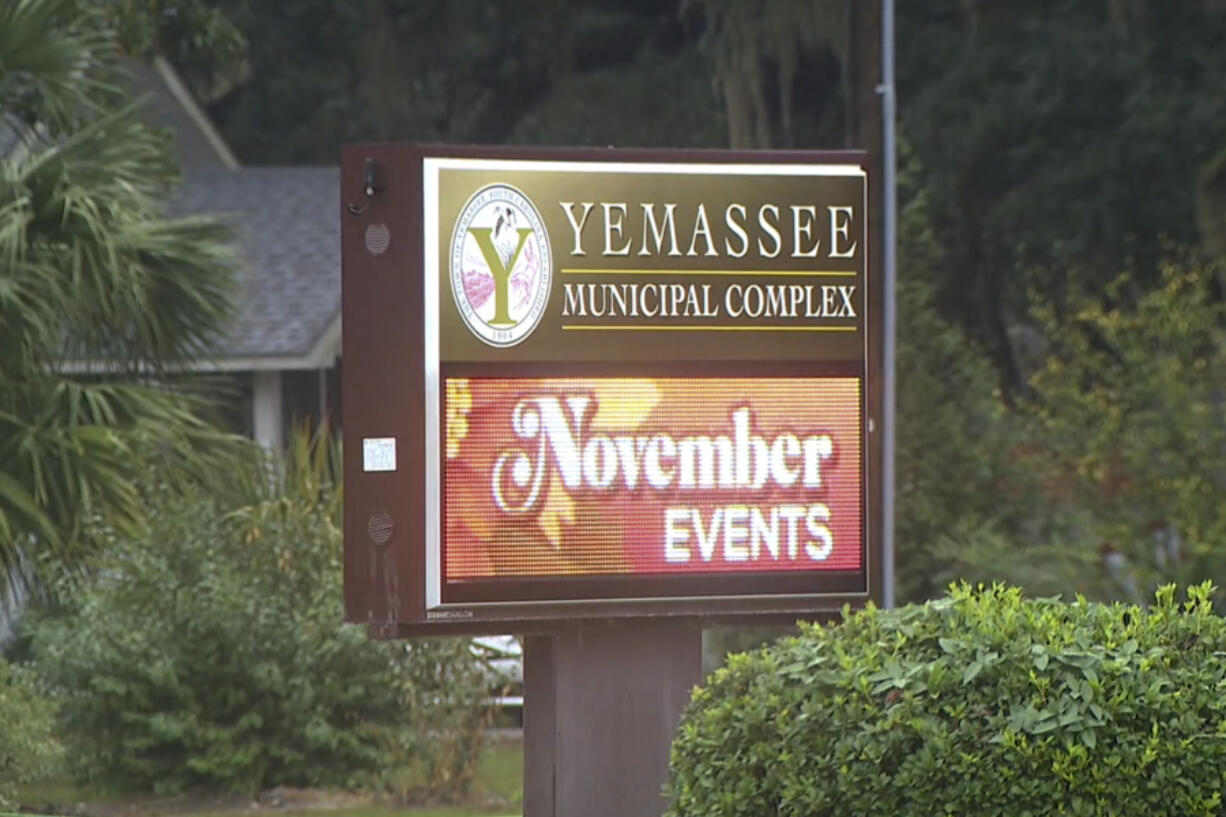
28,749
981,702
210,653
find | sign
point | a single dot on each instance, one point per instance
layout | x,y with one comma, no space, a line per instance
646,477
620,384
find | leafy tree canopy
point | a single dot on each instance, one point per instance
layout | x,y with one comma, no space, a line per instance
1062,143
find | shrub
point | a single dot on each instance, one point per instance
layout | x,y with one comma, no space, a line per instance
210,653
28,750
977,703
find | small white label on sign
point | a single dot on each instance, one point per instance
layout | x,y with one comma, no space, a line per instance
379,454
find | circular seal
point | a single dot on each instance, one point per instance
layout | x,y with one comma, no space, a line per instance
500,265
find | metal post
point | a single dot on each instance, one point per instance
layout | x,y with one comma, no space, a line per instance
601,706
889,268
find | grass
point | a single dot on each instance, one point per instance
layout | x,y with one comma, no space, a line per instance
374,811
41,794
365,811
500,772
497,791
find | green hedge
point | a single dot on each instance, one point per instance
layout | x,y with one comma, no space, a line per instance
210,653
979,703
28,749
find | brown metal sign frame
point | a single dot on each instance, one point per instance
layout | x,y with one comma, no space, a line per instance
385,387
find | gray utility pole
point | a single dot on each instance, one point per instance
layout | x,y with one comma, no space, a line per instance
889,245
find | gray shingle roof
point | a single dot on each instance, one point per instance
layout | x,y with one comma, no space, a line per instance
288,228
150,85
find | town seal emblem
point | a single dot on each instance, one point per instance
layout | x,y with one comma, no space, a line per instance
501,268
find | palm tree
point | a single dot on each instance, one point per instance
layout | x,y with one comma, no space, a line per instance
101,296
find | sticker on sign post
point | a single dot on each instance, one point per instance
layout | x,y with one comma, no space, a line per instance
379,454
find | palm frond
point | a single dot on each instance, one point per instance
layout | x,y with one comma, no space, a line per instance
91,268
52,73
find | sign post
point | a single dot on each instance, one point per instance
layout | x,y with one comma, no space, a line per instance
601,705
600,398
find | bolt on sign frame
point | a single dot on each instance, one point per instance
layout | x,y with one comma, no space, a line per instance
606,384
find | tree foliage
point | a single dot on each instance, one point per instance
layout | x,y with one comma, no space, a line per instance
469,71
957,476
763,54
1123,436
194,35
1130,405
1062,142
94,281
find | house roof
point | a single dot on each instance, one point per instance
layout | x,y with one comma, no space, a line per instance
286,222
287,228
288,238
167,103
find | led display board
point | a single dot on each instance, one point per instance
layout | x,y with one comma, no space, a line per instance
585,384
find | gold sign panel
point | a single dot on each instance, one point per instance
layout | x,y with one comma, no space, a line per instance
575,261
